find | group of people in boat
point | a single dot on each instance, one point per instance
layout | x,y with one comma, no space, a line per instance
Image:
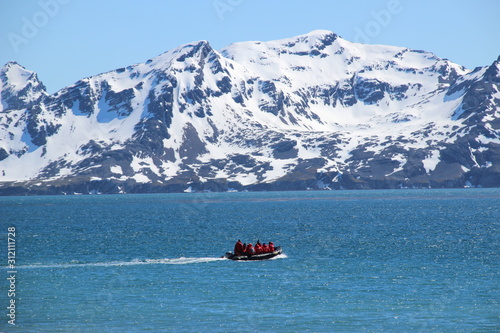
248,249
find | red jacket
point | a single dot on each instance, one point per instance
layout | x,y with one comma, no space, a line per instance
250,249
265,248
258,248
238,248
271,247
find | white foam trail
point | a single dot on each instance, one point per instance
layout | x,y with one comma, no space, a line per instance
279,256
165,261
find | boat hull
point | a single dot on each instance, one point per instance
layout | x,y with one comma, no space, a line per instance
263,256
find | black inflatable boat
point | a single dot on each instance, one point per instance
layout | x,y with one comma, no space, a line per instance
262,256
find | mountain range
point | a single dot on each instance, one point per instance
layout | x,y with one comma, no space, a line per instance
308,112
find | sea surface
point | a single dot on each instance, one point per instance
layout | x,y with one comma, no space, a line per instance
355,261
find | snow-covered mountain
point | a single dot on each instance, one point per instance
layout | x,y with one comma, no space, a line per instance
313,111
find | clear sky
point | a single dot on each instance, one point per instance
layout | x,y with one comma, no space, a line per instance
66,40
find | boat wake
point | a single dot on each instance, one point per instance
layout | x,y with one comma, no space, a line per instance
134,262
279,256
165,261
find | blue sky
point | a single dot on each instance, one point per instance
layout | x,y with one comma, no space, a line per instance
66,40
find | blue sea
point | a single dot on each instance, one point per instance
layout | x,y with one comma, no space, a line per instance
355,261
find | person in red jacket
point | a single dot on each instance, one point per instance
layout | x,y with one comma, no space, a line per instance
265,248
238,248
271,247
250,250
258,248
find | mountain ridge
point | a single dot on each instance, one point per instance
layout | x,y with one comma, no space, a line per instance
308,112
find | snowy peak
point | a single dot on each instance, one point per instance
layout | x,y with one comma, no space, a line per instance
493,72
19,87
300,45
481,95
196,51
180,57
308,44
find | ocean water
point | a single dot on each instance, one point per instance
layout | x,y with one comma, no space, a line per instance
355,261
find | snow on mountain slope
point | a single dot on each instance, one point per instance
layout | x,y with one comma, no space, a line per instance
388,80
312,111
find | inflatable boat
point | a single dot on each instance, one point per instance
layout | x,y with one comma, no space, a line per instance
262,256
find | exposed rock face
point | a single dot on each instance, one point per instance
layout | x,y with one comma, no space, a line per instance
309,112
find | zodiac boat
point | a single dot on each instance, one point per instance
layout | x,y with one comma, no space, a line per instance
262,256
